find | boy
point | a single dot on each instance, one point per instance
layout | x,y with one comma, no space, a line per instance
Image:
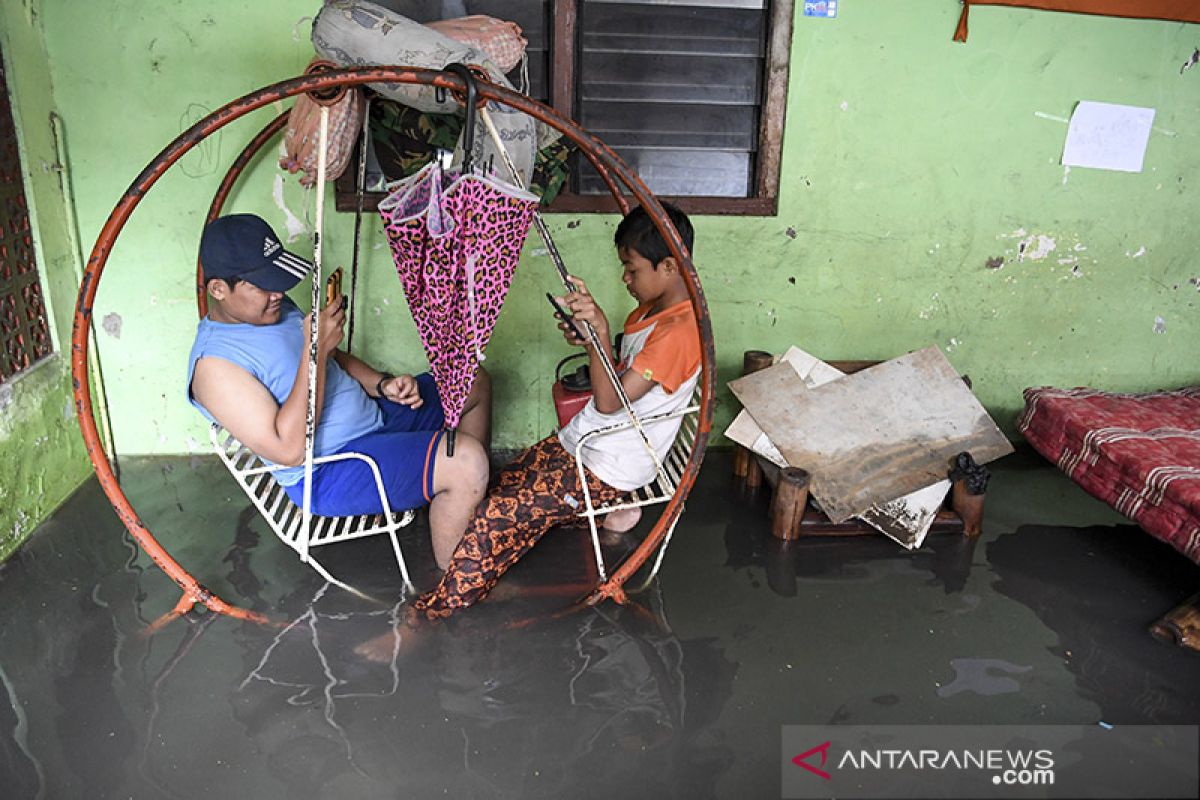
658,368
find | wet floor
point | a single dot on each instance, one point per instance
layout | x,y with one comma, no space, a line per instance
681,694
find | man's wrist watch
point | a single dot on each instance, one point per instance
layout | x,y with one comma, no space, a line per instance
386,376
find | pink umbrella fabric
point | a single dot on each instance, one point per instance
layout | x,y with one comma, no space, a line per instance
456,240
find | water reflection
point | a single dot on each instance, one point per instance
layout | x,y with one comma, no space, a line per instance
1099,588
856,559
479,705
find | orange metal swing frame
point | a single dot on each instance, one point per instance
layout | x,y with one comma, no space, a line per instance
614,172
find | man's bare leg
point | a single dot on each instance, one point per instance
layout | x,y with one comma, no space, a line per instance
476,419
459,483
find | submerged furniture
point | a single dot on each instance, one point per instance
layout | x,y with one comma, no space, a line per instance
303,532
1140,453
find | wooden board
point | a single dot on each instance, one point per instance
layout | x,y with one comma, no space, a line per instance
875,435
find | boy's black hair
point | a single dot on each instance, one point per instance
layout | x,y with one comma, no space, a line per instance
637,232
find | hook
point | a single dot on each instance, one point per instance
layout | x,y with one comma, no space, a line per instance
468,78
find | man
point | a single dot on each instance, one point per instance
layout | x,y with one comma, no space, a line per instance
248,370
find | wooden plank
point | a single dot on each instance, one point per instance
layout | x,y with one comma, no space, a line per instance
875,435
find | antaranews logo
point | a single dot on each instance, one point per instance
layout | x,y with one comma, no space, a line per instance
802,759
1008,767
982,762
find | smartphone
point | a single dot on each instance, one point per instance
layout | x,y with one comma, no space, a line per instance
333,287
565,317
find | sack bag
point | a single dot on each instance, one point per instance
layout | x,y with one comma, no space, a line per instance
360,33
501,40
304,131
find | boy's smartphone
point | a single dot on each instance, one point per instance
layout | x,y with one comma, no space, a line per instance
565,317
333,287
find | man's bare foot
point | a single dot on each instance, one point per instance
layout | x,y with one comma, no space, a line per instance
623,520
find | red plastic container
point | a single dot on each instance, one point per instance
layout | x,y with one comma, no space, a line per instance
568,403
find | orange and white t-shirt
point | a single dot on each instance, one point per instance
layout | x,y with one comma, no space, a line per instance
664,348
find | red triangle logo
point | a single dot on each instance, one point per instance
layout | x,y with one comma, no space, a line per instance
802,760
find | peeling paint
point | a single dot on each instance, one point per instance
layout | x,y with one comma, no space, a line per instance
844,105
995,262
112,325
6,395
1035,247
1160,325
1191,62
790,232
1141,251
1066,174
295,227
929,311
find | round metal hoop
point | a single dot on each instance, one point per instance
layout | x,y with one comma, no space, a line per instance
612,170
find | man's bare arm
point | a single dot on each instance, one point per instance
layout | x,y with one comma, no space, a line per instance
245,407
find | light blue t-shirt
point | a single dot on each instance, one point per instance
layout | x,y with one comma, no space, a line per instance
271,353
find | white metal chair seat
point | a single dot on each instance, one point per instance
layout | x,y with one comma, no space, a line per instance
302,531
660,490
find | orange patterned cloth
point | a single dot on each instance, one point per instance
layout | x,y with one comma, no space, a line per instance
532,494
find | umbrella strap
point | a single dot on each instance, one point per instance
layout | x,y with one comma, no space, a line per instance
601,350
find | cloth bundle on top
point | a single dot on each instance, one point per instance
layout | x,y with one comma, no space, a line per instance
359,33
501,40
303,131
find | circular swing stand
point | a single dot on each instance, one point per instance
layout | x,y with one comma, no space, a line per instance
615,174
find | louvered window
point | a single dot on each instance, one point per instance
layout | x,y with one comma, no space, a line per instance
690,93
24,333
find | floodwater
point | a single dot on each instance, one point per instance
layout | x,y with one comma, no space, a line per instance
680,694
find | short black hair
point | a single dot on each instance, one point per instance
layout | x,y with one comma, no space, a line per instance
231,281
637,232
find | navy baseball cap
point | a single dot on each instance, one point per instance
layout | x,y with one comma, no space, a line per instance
244,246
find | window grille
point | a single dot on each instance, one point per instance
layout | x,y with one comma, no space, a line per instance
24,332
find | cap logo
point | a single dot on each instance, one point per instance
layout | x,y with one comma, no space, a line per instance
270,247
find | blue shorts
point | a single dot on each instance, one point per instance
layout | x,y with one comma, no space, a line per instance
404,450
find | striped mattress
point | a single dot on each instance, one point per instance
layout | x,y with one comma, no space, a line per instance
1140,453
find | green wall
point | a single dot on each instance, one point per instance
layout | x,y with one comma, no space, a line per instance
909,162
42,459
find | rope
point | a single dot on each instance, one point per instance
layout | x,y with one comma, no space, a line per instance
359,189
310,416
556,257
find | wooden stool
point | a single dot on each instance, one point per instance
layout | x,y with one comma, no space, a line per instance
789,503
745,465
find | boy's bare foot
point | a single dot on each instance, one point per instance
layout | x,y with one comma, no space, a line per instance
623,520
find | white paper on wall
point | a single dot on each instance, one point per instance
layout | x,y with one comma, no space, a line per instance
1108,136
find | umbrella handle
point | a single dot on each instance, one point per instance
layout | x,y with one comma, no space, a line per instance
468,77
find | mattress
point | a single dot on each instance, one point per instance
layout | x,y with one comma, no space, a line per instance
1140,453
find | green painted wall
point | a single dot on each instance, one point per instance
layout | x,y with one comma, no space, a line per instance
42,459
909,162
